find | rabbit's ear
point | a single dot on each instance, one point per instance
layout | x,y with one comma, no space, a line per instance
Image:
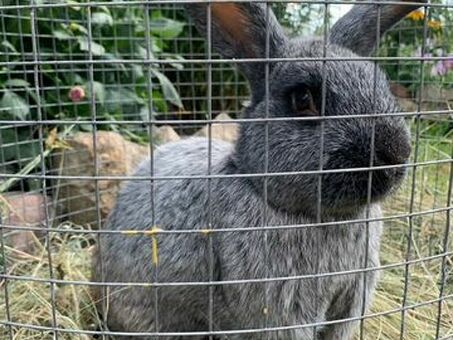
357,29
241,30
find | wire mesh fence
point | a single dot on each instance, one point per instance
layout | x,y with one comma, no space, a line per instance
226,170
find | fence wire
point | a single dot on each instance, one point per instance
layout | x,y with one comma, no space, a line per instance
91,89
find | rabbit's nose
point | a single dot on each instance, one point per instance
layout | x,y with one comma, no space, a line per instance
392,152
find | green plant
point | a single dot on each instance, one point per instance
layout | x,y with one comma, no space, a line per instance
408,41
116,88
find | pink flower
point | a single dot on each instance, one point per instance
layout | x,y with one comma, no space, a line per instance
442,67
77,94
449,63
439,69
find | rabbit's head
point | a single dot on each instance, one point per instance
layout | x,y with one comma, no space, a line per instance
313,88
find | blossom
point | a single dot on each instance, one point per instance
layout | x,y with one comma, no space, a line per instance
419,15
435,24
442,67
77,94
416,15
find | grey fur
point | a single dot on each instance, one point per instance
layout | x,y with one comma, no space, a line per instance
239,202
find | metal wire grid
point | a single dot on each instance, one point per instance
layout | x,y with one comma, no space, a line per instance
34,62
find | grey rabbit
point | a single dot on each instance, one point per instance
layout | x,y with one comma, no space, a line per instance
264,262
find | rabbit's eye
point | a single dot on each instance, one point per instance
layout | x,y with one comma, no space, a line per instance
303,103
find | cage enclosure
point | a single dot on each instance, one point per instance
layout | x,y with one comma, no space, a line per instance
89,90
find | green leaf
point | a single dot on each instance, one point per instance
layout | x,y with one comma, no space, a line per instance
128,96
75,27
17,83
21,142
168,89
101,19
143,53
175,64
9,146
73,78
73,4
61,35
117,99
8,46
117,66
166,28
14,105
99,91
155,46
32,93
30,149
104,9
156,14
159,102
144,112
137,70
96,49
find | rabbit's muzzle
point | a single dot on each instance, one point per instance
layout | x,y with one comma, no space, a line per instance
390,150
392,144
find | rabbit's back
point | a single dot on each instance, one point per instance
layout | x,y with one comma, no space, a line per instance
232,202
140,198
169,205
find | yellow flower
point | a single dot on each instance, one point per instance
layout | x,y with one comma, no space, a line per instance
416,15
434,24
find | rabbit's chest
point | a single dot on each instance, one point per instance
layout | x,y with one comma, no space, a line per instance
320,250
342,248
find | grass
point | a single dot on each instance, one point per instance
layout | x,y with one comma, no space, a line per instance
31,302
428,233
